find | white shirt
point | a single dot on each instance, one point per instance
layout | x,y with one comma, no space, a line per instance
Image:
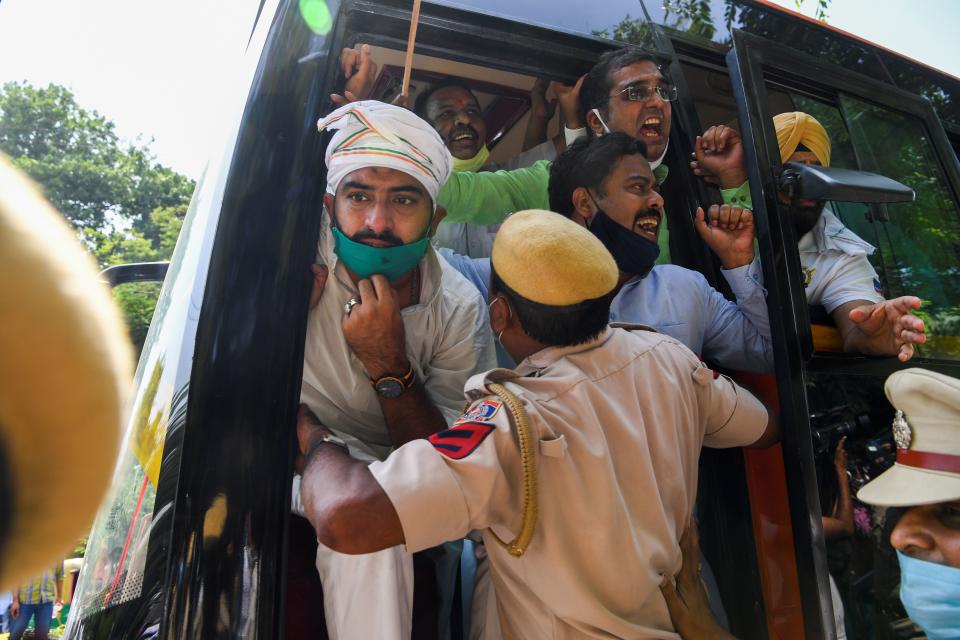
448,340
835,265
619,422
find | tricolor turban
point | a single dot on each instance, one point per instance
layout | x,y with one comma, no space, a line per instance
375,134
796,128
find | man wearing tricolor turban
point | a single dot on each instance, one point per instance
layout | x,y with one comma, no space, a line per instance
836,271
392,336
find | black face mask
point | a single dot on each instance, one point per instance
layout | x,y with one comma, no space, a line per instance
805,218
634,254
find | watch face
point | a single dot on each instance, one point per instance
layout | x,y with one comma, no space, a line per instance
389,387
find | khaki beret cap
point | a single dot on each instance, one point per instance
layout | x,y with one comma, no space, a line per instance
550,259
927,434
65,367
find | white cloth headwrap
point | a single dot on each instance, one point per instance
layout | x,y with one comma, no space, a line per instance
375,134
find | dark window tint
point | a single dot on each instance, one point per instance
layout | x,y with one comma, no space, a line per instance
715,20
943,93
920,244
620,20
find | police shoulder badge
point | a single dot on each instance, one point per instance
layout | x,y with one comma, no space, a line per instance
901,431
480,411
461,439
469,430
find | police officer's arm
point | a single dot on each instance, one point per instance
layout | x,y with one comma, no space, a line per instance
733,417
346,506
686,597
427,492
771,433
489,197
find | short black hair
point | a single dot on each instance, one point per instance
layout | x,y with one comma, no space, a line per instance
587,163
420,106
565,326
596,87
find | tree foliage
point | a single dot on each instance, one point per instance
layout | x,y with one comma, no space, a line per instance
125,206
89,175
696,18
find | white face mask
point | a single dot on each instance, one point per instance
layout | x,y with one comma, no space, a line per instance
653,163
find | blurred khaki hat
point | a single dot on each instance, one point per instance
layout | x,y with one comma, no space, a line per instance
65,370
548,258
927,432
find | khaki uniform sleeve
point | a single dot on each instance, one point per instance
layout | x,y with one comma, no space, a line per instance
733,417
467,477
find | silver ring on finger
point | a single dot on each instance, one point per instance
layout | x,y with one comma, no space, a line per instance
350,304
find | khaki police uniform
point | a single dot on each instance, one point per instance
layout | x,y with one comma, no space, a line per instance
617,426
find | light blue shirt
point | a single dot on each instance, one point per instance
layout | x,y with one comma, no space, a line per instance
682,304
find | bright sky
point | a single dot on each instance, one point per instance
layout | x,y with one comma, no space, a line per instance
158,69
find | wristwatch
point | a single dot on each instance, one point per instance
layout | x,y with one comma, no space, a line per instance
391,386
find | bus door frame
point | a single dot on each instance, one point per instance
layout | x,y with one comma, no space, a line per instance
724,515
747,61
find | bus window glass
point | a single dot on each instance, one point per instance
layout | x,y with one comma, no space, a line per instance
620,20
116,554
943,93
920,244
715,20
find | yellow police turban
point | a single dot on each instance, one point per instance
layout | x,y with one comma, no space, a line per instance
796,128
550,259
65,369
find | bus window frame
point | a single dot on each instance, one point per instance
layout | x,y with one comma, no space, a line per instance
725,514
749,62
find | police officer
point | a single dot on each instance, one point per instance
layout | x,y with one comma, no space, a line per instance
836,271
925,478
580,465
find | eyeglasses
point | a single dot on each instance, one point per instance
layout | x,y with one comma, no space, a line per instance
643,92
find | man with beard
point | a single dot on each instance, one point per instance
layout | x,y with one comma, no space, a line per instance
836,271
626,92
579,467
606,184
392,336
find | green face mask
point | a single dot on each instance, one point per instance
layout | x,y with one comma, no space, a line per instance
391,262
472,165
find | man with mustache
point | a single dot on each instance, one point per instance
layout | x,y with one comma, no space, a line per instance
625,91
606,184
392,336
836,271
454,111
579,467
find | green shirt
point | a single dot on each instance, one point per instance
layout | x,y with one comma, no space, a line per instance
739,196
489,197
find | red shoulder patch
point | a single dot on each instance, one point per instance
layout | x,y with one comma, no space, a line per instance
462,439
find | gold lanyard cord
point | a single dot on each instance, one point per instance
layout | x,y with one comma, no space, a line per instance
530,510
